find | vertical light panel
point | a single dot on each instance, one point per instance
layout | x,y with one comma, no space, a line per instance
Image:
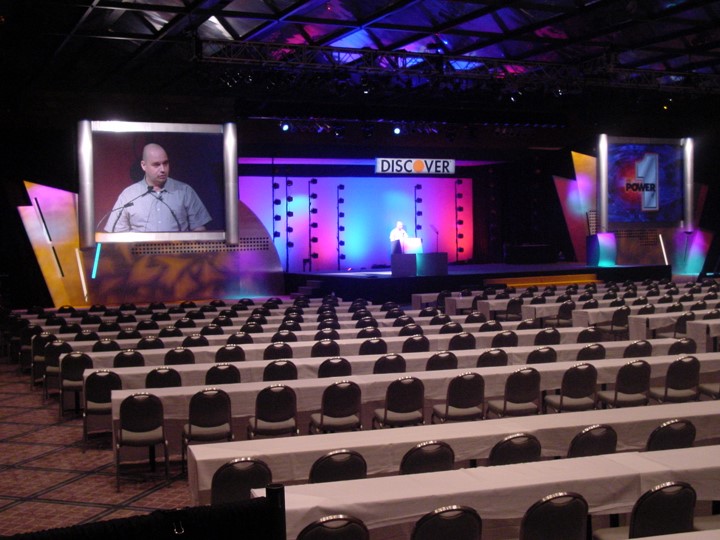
602,179
688,173
86,210
230,168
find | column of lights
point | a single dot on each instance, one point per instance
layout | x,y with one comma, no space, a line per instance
276,217
340,227
458,221
288,228
312,211
418,213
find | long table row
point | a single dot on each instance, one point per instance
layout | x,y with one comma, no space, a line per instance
610,484
383,449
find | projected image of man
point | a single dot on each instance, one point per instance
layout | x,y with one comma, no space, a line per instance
157,203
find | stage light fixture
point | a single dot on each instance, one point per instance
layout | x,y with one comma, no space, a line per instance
276,185
313,210
458,195
314,239
460,209
341,228
290,244
418,227
342,256
418,213
314,255
276,234
418,200
341,186
277,202
290,214
459,181
341,214
313,181
341,200
277,217
460,222
341,243
285,127
288,183
313,195
461,235
314,225
289,198
289,230
418,187
461,250
397,130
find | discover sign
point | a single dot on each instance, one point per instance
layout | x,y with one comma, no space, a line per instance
414,166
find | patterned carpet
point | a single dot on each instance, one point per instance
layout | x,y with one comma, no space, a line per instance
48,481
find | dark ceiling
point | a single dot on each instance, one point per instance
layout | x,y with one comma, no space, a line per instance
529,61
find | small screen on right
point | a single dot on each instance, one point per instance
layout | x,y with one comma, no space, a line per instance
645,183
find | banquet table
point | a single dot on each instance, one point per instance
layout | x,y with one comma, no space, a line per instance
705,333
610,483
645,326
383,449
590,317
373,387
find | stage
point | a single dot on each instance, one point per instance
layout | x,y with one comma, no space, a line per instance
378,284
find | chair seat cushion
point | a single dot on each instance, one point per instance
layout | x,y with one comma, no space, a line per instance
142,438
457,413
398,418
623,400
202,433
95,407
673,395
612,533
335,423
511,409
262,427
570,404
68,384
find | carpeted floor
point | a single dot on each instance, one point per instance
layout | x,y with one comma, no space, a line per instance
48,481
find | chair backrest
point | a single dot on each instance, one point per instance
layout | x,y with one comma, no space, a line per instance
403,320
150,342
335,527
506,338
490,326
341,399
428,456
239,338
683,374
523,386
326,333
179,356
590,335
591,304
466,390
325,348
222,373
633,378
140,413
416,344
682,320
338,465
195,340
683,345
170,331
620,316
592,351
428,312
638,349
233,481
209,408
99,386
276,403
389,363
373,346
230,353
492,358
543,355
671,435
462,341
579,381
284,335
85,335
412,329
365,322
280,370
548,336
440,319
647,309
335,367
163,377
406,394
516,448
277,351
442,360
560,515
593,441
54,349
73,365
451,328
128,358
528,324
105,344
475,317
668,508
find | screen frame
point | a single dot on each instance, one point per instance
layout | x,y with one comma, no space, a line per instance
89,237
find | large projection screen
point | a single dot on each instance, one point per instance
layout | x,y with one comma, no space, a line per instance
645,182
202,156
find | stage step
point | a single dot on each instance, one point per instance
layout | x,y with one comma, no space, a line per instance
311,288
527,281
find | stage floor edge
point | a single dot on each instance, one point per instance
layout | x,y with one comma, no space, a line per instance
378,284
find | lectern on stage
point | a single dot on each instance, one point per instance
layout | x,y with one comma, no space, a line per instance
411,261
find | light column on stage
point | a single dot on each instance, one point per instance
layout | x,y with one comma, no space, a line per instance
277,218
459,222
288,228
418,213
312,225
340,227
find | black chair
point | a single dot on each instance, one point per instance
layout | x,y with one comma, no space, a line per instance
548,336
441,360
97,399
521,396
325,348
335,527
632,385
239,338
492,358
516,448
451,328
464,401
72,367
389,363
682,382
373,346
150,342
592,351
195,340
373,332
562,515
418,343
222,373
280,370
506,338
335,367
638,349
594,440
230,353
338,465
462,341
275,412
277,351
339,409
128,358
284,335
684,345
326,333
490,326
163,377
668,508
233,481
404,404
577,390
428,456
543,355
589,335
209,420
672,435
170,331
105,345
179,356
450,522
212,330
